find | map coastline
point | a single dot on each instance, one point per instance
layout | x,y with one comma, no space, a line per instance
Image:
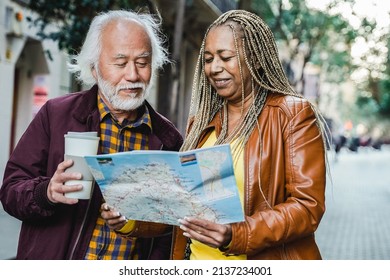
164,186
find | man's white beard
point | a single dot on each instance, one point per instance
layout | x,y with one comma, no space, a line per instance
117,102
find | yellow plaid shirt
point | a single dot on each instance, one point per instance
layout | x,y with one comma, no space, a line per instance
116,137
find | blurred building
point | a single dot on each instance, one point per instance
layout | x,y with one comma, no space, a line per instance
27,76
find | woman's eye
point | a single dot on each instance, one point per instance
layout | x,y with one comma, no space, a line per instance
226,58
208,60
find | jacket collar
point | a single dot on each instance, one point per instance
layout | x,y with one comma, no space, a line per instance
215,124
86,105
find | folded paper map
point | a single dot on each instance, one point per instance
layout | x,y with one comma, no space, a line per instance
164,186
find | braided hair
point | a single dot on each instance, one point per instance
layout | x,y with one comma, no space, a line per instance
261,57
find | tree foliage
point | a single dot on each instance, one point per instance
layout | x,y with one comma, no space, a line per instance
323,39
326,38
73,17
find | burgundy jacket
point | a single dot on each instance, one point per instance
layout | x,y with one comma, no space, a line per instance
58,231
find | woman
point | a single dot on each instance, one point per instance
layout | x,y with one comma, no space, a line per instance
241,96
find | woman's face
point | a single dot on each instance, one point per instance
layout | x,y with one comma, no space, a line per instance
222,64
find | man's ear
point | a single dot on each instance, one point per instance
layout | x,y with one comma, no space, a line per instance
93,70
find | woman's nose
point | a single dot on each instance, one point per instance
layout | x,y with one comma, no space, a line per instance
216,66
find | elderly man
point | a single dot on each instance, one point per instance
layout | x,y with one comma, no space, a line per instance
121,53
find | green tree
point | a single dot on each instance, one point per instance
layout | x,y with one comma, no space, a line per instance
326,39
376,64
310,36
73,17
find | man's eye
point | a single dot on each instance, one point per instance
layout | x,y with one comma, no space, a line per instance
142,64
120,64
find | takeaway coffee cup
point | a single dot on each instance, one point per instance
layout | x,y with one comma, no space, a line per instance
78,145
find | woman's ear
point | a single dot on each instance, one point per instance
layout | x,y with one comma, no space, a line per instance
257,65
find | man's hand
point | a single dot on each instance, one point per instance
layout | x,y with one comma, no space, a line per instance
56,189
112,217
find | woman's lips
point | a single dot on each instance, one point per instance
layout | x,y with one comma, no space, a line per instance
220,83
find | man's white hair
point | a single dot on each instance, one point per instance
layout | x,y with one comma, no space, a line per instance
88,57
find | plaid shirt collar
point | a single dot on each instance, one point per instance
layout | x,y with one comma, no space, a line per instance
144,119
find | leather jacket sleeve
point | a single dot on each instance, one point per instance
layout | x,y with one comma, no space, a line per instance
292,181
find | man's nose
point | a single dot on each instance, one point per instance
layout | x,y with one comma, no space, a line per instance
131,72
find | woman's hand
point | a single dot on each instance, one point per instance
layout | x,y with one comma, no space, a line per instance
114,219
209,233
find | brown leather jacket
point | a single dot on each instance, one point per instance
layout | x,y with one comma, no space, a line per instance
291,156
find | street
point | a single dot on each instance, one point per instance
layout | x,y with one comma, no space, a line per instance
356,224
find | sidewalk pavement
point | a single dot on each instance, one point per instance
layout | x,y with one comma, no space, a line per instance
356,224
9,233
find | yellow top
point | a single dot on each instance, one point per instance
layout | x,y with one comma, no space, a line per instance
200,251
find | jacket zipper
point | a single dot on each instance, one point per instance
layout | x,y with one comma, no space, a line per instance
81,228
89,120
